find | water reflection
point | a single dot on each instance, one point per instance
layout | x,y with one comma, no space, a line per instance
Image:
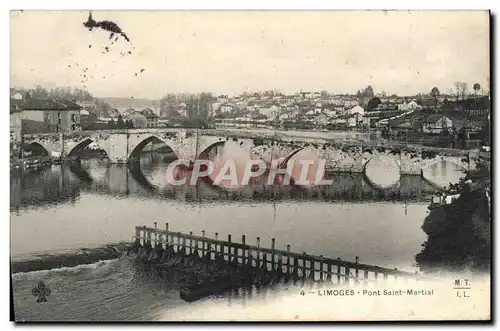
51,186
148,179
441,174
105,201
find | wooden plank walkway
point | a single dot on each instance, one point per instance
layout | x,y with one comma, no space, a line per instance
302,265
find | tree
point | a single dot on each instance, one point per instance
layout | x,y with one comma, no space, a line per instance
39,93
476,87
168,104
111,125
129,124
461,88
368,93
205,111
269,93
119,123
459,233
435,92
373,103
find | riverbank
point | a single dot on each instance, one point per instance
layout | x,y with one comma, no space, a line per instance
459,232
34,163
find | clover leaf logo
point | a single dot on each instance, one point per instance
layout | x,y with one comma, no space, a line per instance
41,292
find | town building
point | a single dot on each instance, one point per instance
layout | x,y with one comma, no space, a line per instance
269,112
17,96
89,120
127,112
50,115
139,121
437,123
16,128
226,108
471,114
356,110
151,118
222,99
407,106
354,119
350,103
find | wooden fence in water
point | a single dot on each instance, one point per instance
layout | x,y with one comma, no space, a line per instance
305,266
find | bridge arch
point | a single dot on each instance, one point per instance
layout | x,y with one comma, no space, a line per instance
382,171
449,170
80,173
35,149
303,153
137,145
374,184
289,156
78,148
205,149
383,158
139,177
451,160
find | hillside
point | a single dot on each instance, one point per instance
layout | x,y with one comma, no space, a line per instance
130,102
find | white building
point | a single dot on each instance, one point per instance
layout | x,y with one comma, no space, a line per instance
226,108
356,110
17,96
412,105
354,119
270,112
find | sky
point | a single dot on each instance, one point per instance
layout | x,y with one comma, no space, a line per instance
229,52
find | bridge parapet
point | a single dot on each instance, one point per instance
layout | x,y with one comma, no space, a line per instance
340,155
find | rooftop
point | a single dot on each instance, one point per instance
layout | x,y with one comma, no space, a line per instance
50,104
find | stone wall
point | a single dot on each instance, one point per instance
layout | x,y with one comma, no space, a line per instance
122,145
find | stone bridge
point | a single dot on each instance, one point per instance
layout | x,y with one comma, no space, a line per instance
123,146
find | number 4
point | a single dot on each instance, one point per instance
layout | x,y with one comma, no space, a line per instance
302,292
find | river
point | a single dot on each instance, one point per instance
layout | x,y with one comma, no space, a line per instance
88,204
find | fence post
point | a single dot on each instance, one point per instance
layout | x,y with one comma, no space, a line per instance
258,252
357,270
339,279
273,247
229,248
243,250
155,235
288,266
203,253
167,236
321,268
304,265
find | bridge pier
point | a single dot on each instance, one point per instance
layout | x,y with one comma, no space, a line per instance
410,162
118,148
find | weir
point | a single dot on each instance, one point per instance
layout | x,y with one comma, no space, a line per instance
276,264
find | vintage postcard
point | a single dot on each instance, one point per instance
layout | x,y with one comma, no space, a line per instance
250,165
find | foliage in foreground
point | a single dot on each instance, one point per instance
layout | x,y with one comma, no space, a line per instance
459,233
